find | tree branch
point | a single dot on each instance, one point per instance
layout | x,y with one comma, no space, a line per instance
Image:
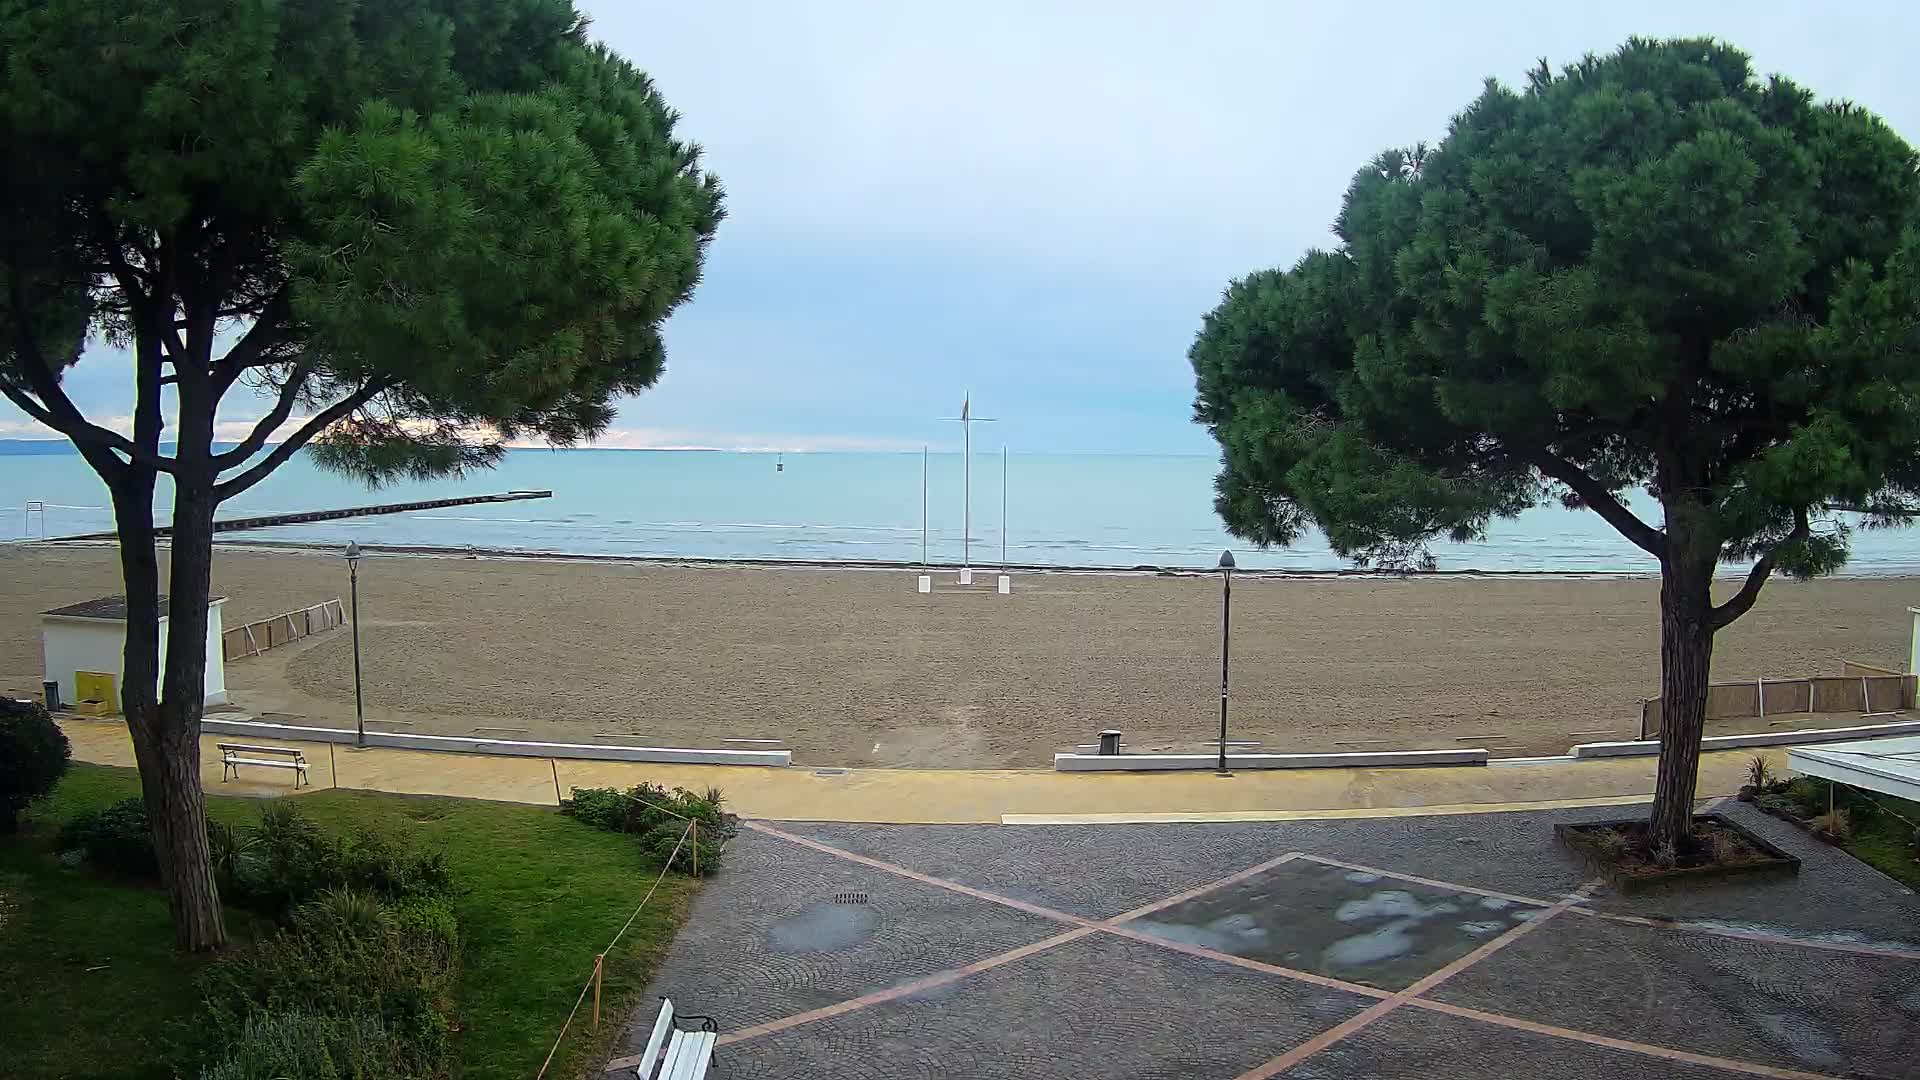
266,332
262,431
1601,501
55,409
1742,602
326,418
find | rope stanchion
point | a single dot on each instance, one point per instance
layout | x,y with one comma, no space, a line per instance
599,962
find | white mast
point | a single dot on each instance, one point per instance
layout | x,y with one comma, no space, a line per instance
967,420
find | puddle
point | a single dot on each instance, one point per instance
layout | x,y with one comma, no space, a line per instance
1836,937
823,928
1349,924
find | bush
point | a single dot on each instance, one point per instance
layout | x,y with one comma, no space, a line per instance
34,755
275,1046
658,816
117,839
1835,823
272,866
1759,772
345,958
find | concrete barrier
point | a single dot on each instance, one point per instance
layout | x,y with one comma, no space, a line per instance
508,747
1360,760
1762,738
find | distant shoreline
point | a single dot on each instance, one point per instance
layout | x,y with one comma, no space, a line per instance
429,551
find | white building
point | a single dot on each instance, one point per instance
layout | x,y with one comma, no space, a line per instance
92,637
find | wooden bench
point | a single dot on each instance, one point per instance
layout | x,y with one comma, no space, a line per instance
289,758
688,1053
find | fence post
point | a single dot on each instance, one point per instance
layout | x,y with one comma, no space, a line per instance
599,964
693,833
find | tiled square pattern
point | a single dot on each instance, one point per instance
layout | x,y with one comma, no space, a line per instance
1298,950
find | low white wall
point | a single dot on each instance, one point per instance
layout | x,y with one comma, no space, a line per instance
508,747
1359,760
1763,738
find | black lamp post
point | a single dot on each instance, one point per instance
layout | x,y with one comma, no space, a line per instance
1226,643
359,709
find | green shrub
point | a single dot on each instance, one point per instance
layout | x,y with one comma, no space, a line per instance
117,839
658,817
1759,772
34,755
427,916
375,862
344,957
604,808
278,1046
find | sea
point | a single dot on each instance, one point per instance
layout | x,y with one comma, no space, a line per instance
1058,510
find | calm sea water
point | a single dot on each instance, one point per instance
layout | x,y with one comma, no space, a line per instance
1062,510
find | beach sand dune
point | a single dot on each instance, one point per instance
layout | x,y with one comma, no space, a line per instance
852,667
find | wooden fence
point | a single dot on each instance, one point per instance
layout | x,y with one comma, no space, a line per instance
257,637
1859,688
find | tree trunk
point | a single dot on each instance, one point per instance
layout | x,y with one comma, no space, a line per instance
176,804
166,749
1686,660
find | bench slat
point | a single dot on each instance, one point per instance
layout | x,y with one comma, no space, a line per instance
253,749
268,763
660,1028
688,1055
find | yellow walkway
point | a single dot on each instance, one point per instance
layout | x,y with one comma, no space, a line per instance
1012,796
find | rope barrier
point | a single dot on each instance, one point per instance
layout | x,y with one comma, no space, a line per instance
598,965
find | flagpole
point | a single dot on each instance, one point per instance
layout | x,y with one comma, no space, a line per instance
923,506
966,518
1003,507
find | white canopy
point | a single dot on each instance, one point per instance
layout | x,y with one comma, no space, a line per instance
1888,766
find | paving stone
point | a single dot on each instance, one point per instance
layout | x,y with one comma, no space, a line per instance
1775,1004
1097,1008
1094,871
1414,1044
767,939
1834,894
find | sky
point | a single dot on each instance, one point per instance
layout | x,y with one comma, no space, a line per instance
1037,203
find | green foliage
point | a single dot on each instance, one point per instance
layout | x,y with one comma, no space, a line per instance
537,895
658,816
387,985
116,839
280,1045
282,860
462,206
34,755
1651,269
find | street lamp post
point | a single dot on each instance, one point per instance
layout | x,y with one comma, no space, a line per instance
359,707
1226,643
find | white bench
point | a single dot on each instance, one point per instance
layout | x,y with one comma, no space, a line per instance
688,1053
290,758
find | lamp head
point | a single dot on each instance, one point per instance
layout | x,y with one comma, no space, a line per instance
1226,560
353,553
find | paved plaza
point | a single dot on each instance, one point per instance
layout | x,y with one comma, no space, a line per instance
1439,946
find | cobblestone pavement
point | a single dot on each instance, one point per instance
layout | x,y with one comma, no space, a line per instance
1431,947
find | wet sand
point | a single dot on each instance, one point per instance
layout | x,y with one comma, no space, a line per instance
852,667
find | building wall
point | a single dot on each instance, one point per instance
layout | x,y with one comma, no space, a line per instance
69,645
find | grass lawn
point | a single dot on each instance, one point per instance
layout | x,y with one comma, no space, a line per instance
1884,839
537,896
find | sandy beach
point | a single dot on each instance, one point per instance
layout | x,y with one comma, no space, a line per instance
852,667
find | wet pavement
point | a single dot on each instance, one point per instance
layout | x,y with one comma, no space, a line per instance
1409,947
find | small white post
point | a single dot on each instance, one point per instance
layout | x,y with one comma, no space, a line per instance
926,583
1005,586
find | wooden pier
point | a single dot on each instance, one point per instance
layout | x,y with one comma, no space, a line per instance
308,516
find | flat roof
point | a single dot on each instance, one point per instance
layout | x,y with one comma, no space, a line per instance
112,608
1888,766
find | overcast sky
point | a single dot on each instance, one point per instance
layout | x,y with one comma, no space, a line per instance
1037,202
